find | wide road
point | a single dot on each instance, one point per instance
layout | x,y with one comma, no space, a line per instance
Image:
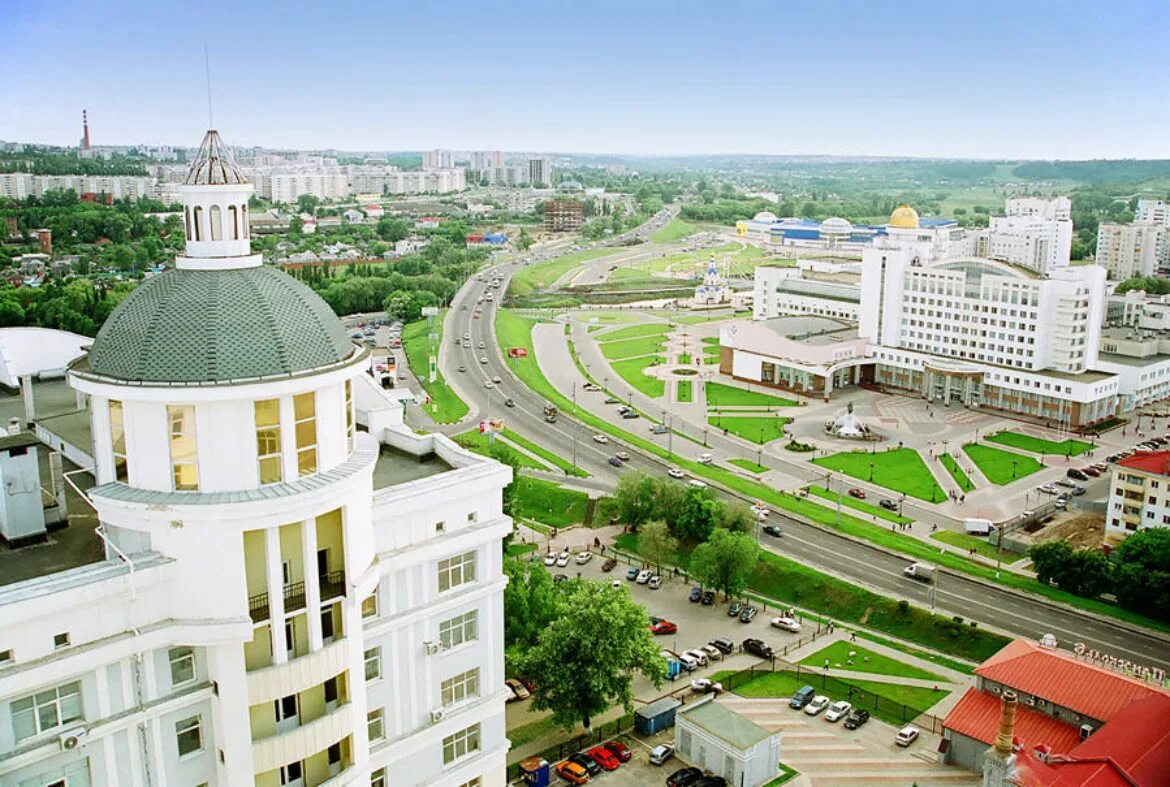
858,562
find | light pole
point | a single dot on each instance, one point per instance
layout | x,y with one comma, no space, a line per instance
1014,463
871,471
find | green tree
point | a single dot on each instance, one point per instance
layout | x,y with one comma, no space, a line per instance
634,498
585,659
391,229
307,203
656,543
399,306
738,518
1050,561
524,241
531,603
295,226
11,313
1141,579
502,454
726,561
701,512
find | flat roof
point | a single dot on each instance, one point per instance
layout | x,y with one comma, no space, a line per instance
725,724
395,466
1129,360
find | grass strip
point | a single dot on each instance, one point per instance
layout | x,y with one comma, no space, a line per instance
634,332
545,454
542,274
1001,467
900,469
446,407
549,503
757,429
749,465
481,444
719,394
891,702
684,390
675,230
630,370
1039,445
858,505
956,472
981,545
865,660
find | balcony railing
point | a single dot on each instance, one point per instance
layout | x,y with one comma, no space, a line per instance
332,586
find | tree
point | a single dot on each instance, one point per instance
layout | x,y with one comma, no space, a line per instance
307,203
656,543
585,659
531,603
295,226
1085,572
524,242
700,513
726,561
1142,573
634,498
504,455
399,306
392,230
738,518
1050,561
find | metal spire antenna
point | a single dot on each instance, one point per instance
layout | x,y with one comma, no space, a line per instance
207,72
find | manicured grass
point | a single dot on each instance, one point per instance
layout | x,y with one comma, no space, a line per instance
921,698
982,546
786,775
758,429
749,465
719,394
630,348
545,454
1001,467
547,502
605,318
956,472
676,230
445,407
1038,445
711,340
963,667
514,549
635,332
542,274
630,370
479,443
877,697
857,505
684,358
865,660
684,390
532,731
699,319
900,469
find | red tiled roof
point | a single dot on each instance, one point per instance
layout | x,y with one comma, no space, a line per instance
1148,462
977,716
1064,680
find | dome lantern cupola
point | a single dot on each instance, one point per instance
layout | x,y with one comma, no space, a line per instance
215,210
904,217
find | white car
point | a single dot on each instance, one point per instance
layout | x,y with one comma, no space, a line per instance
488,384
697,484
705,686
600,438
760,510
706,459
699,655
623,455
644,576
689,663
655,582
818,704
838,710
713,653
906,735
584,557
563,560
483,360
674,472
550,559
787,624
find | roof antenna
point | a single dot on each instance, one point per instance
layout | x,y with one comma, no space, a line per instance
207,71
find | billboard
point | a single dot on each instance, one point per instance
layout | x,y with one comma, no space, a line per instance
491,425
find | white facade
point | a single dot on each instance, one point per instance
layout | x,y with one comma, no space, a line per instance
1127,251
785,292
287,185
20,185
717,739
1034,233
1139,494
438,159
540,171
274,607
1153,210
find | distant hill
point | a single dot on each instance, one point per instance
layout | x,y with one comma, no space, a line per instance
1096,171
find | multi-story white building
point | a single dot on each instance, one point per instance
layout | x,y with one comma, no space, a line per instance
438,159
506,176
287,184
295,588
483,160
20,185
540,171
1155,210
1127,251
1139,494
803,291
1034,233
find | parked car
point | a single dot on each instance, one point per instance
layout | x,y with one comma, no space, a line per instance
689,663
654,582
1076,474
802,697
684,777
708,598
1090,470
509,402
816,705
603,757
572,772
661,753
1048,489
786,624
560,577
698,655
632,573
1061,502
674,472
705,686
550,559
519,690
563,559
748,613
586,762
609,564
756,647
710,781
906,735
735,608
713,653
611,400
773,531
662,626
644,576
695,594
583,558
723,644
856,718
658,429
620,750
888,504
838,710
857,492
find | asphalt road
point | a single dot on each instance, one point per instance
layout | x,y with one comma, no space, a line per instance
858,562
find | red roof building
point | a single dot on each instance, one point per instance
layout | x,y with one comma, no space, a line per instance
1148,462
1138,494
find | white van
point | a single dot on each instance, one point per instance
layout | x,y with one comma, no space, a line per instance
978,527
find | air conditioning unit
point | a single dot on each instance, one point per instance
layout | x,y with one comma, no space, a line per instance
432,647
72,739
436,715
1030,701
1086,731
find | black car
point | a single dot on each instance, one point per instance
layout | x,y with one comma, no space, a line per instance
708,598
711,781
747,614
888,504
1076,474
613,460
723,643
735,608
772,530
684,777
756,647
856,718
586,762
611,400
509,403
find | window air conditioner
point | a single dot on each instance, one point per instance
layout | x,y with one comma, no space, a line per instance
1086,730
72,739
436,715
432,647
1030,701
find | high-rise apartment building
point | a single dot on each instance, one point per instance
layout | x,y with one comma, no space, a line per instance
483,160
295,588
1129,250
438,159
1034,233
1155,210
540,171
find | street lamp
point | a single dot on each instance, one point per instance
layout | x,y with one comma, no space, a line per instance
871,471
1014,463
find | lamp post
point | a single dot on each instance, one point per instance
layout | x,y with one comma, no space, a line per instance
1014,463
871,471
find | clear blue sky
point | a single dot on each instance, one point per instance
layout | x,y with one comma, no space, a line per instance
1026,78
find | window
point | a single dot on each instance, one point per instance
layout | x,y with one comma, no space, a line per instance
305,413
182,665
375,726
476,782
370,605
331,692
349,425
189,735
216,217
472,517
46,710
440,527
234,218
118,441
61,640
5,657
268,441
333,754
455,571
460,744
291,773
373,663
285,708
459,629
460,688
184,469
378,778
328,629
198,223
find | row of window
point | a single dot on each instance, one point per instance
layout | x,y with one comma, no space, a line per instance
237,223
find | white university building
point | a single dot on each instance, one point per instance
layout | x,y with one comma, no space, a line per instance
293,587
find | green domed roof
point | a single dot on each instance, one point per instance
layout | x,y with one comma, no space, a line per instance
207,326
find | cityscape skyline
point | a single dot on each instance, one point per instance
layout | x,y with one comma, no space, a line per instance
847,80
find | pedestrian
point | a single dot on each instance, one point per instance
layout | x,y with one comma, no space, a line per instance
826,665
853,636
962,498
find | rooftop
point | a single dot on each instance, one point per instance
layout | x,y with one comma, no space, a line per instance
725,724
1156,462
977,716
214,164
395,466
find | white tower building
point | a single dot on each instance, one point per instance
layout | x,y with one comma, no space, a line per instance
1034,233
287,598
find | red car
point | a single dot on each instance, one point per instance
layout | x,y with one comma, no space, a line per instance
619,750
663,627
604,757
855,492
1090,470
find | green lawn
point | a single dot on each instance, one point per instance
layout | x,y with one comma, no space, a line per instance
684,358
630,370
749,465
541,275
550,503
532,731
545,454
445,407
982,546
684,390
759,429
479,443
514,549
900,469
1038,445
857,505
1001,467
865,660
676,230
698,319
605,318
719,394
956,472
920,698
635,332
875,696
711,340
630,348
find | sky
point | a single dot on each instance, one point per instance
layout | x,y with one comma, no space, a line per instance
1022,79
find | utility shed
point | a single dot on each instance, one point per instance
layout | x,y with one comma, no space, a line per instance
716,738
656,716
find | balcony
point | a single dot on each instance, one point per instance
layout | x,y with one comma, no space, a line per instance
332,586
302,742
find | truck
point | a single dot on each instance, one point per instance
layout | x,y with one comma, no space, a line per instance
920,571
978,527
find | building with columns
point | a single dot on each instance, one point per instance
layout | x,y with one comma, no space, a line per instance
292,588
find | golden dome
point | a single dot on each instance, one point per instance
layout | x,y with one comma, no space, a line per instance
904,217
